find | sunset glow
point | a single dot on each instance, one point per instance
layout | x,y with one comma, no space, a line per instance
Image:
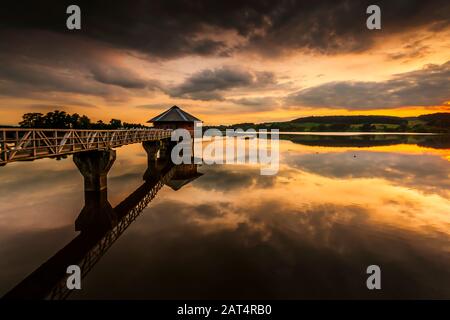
252,71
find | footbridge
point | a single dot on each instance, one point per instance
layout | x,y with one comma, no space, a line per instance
29,144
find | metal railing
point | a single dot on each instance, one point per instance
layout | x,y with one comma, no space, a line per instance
29,144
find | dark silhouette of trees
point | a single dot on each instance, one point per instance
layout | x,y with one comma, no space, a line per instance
115,124
437,119
437,122
367,127
32,120
62,120
339,127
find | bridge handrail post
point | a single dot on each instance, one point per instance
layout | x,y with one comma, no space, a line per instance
3,146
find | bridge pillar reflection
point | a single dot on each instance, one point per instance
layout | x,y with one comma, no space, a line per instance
97,212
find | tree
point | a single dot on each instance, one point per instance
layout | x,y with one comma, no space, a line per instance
74,120
62,120
115,124
99,125
84,122
32,120
132,125
403,127
339,127
367,127
57,120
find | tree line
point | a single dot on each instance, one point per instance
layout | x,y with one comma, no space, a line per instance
63,120
436,122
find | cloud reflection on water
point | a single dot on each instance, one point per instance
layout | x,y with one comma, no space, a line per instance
308,232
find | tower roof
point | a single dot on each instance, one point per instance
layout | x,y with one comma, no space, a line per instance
184,174
174,114
177,184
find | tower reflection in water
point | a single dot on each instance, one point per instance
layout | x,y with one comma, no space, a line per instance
100,224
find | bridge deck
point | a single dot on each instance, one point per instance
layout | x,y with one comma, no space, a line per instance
29,144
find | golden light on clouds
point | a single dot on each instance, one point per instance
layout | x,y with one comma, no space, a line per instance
240,71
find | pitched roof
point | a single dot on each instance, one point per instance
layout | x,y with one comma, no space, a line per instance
174,114
184,174
177,184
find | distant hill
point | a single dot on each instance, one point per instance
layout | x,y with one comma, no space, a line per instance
436,119
436,123
429,141
351,120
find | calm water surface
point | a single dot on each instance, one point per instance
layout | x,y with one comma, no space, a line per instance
335,207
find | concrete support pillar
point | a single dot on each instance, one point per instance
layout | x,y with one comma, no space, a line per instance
166,148
94,166
97,212
152,148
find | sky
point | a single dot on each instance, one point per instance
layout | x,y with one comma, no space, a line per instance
224,61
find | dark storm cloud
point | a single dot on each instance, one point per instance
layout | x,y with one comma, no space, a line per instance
44,106
412,50
73,65
152,106
332,27
119,77
210,83
426,87
259,103
20,77
43,57
169,29
55,86
79,66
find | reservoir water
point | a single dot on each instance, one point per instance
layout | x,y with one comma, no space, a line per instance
337,205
